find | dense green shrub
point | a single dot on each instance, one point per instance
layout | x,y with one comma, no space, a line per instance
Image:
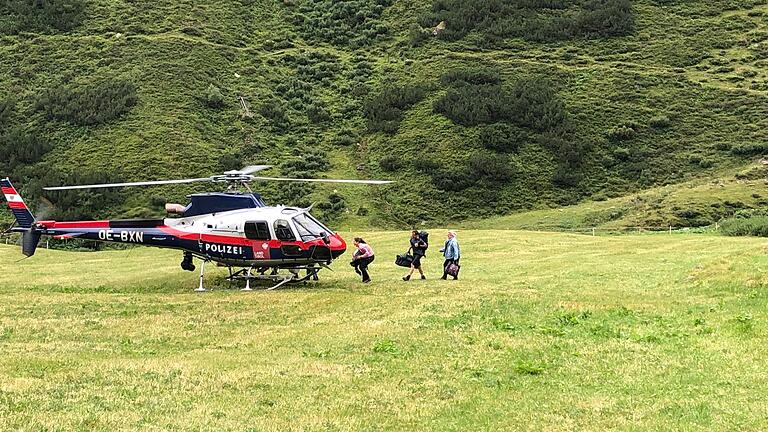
753,226
418,35
604,18
535,20
470,105
478,97
89,104
385,110
535,104
503,137
492,168
213,97
750,149
477,75
659,122
76,204
390,163
341,22
7,105
333,208
44,16
20,147
621,133
275,112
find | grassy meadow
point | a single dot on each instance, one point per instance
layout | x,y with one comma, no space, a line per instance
544,331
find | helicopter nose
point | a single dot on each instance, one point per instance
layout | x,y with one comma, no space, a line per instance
337,245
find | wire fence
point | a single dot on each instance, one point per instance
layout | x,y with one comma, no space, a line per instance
594,231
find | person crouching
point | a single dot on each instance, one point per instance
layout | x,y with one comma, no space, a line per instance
362,257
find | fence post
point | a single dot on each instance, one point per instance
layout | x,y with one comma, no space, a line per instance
717,226
670,229
593,231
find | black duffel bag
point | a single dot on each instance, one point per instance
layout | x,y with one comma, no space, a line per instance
404,260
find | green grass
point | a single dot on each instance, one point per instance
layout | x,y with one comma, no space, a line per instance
544,331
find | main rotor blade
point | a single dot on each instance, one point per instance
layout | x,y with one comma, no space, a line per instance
375,182
249,169
146,183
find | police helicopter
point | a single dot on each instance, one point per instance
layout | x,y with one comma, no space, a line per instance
235,229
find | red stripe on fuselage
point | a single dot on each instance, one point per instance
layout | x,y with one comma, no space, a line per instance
17,205
211,238
9,191
76,224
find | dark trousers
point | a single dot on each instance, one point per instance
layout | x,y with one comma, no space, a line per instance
361,267
445,267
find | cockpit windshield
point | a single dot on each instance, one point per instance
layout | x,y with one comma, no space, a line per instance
309,227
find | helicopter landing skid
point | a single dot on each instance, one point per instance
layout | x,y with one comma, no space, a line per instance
249,274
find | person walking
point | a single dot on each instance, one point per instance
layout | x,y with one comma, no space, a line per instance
419,249
452,254
362,257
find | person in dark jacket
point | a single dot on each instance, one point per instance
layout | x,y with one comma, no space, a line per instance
419,250
362,257
452,254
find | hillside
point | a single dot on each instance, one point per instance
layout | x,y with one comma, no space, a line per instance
515,105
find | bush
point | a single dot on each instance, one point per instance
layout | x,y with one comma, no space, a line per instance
390,163
346,22
213,97
472,75
503,137
333,208
41,15
385,111
659,122
492,168
753,226
19,147
78,204
418,35
604,18
534,20
470,105
535,104
274,112
750,149
89,105
621,133
7,105
477,96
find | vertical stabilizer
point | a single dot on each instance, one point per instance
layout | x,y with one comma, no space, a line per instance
19,209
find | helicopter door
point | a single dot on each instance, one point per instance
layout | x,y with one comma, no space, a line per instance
257,230
284,232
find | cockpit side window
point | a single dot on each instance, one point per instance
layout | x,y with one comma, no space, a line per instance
309,228
283,230
257,230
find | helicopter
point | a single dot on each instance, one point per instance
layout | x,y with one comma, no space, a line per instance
234,229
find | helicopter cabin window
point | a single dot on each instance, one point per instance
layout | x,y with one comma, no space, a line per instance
283,230
309,227
257,231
